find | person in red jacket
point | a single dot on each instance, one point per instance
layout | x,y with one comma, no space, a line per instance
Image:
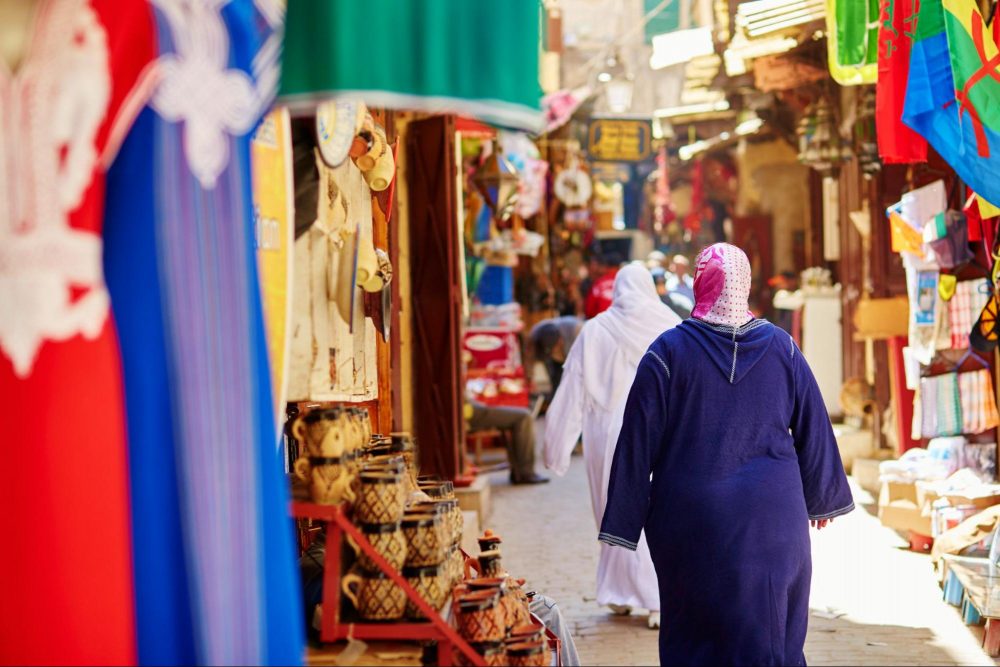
599,297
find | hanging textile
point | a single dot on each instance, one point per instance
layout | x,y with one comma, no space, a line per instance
476,59
964,308
66,578
979,408
897,143
215,575
852,41
940,406
951,97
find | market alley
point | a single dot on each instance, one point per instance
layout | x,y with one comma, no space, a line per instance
873,601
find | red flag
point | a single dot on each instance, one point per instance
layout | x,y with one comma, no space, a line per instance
897,143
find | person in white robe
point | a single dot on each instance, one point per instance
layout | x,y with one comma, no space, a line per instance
597,375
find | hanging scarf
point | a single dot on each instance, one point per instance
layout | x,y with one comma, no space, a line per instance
722,286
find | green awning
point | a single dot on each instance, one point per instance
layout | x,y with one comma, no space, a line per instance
472,57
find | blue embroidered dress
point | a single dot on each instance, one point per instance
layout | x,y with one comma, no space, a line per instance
725,454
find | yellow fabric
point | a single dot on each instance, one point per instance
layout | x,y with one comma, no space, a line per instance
986,209
904,237
946,286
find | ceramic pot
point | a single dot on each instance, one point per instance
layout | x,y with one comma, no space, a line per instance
388,540
425,539
494,653
374,595
480,617
431,583
381,498
382,172
527,654
367,161
456,564
489,543
328,479
490,564
526,632
321,432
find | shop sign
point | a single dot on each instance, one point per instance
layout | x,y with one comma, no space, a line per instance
610,172
619,140
274,230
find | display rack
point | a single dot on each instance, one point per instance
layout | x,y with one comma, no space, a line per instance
332,629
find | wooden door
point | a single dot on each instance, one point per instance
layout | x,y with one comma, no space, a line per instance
753,234
435,276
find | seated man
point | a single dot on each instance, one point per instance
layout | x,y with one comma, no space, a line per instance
520,422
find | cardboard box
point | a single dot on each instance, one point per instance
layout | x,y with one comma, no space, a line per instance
898,508
982,498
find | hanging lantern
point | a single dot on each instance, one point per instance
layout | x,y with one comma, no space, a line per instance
820,144
865,140
497,181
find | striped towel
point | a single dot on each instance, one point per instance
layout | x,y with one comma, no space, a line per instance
928,407
979,409
964,308
949,406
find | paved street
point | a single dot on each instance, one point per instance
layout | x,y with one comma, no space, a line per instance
873,601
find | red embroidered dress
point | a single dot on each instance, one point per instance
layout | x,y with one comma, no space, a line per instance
65,567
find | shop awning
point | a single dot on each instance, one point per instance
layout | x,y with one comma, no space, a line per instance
476,58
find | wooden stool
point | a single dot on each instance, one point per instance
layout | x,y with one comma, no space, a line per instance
477,438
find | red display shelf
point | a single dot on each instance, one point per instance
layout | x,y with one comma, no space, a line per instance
332,629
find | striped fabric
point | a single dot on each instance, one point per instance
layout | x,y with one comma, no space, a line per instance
949,408
928,407
964,308
237,579
979,409
940,406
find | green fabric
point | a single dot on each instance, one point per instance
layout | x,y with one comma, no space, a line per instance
857,31
930,20
478,58
666,20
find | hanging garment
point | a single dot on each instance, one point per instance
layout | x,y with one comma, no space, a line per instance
964,308
949,405
951,99
598,371
948,238
979,408
940,406
742,456
852,41
65,568
897,143
213,553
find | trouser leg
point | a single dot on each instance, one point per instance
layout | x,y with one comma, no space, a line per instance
521,444
555,370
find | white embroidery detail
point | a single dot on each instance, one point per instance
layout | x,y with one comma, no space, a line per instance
666,369
50,114
197,88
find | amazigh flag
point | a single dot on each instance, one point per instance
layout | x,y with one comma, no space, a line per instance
897,143
953,93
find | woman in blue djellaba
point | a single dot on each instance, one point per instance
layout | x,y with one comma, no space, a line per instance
725,457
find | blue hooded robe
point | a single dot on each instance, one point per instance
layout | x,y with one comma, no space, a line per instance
725,454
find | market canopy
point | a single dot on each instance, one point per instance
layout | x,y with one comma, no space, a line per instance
477,58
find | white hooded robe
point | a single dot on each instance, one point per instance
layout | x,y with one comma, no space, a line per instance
597,376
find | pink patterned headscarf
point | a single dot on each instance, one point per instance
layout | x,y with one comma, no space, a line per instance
722,286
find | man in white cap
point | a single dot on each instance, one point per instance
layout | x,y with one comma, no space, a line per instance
656,260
